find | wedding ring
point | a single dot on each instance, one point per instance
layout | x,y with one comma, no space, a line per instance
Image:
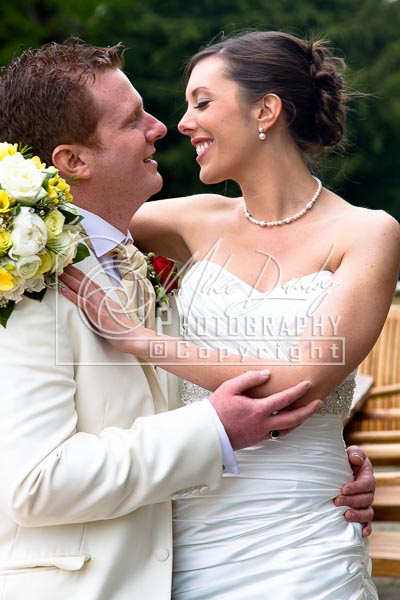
274,434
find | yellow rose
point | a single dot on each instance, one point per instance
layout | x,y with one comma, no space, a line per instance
54,221
60,184
6,281
54,180
52,193
39,163
7,149
5,242
68,196
4,201
65,189
47,260
63,186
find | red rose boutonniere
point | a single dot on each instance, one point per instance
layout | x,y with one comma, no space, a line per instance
163,274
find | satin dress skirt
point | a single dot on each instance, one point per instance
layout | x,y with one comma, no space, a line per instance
273,532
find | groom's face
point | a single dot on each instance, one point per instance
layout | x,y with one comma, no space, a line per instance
123,173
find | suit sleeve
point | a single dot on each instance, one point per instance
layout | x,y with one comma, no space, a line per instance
52,474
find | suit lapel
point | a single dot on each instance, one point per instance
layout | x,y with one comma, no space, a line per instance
93,268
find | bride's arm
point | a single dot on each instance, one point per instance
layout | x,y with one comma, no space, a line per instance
161,226
357,304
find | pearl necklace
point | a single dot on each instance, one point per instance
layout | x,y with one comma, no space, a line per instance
287,220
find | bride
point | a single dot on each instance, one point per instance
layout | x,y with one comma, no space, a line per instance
287,275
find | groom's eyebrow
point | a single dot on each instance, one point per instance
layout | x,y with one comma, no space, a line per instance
133,114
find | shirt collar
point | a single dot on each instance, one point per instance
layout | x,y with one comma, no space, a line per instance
103,236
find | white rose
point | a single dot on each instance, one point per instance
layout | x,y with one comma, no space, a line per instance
21,178
27,266
64,246
29,234
35,284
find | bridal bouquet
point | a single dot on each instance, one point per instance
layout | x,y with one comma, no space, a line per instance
39,231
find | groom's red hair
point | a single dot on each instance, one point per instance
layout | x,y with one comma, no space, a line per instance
44,99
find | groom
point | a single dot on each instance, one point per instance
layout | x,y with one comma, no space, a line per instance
89,457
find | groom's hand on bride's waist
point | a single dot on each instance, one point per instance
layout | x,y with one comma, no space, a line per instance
359,494
248,421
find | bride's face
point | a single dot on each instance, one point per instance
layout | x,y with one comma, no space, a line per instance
221,128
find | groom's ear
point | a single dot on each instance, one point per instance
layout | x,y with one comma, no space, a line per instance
72,161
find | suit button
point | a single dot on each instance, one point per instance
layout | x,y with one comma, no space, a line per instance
204,489
162,554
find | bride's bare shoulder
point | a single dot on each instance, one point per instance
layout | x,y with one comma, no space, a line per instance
358,220
206,201
182,206
372,221
374,233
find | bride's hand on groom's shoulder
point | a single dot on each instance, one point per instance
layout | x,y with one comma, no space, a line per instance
247,421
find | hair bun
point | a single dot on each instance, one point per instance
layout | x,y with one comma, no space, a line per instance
317,58
328,86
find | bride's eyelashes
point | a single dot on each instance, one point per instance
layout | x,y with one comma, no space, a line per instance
202,104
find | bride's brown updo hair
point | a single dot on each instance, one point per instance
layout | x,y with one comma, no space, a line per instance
303,74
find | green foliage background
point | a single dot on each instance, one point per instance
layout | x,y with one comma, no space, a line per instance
162,34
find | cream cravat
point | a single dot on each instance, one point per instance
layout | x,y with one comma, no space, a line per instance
136,292
138,299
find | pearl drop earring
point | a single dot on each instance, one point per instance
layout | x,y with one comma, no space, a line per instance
261,134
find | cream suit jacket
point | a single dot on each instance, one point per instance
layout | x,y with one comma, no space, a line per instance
89,462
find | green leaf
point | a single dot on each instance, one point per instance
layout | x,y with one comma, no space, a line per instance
25,150
36,295
70,213
29,203
5,313
82,252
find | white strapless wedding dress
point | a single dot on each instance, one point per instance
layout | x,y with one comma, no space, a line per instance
272,531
